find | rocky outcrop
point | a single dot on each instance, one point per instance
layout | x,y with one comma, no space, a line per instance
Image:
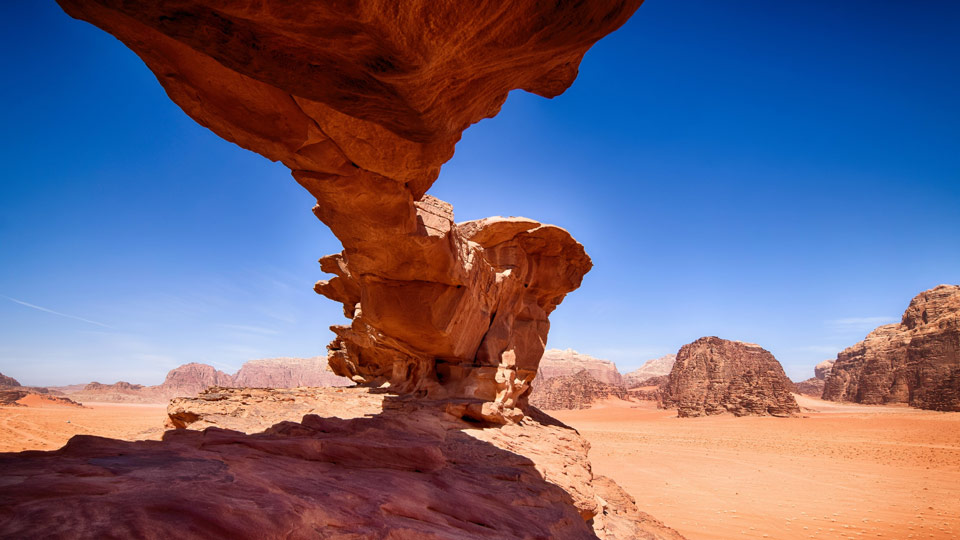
577,391
559,363
287,373
814,385
916,361
657,367
714,376
393,467
8,381
364,102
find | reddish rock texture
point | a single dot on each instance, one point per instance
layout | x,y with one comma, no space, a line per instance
714,376
577,391
657,367
650,389
8,381
364,102
398,468
916,361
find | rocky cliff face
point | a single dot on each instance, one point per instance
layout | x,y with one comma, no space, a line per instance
253,463
714,376
916,361
287,373
364,103
814,385
658,367
8,381
559,363
577,391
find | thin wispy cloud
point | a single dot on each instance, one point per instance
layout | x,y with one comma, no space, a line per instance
47,310
859,323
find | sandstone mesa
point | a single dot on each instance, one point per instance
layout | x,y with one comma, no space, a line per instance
714,376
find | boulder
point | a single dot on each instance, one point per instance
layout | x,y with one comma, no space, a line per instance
714,376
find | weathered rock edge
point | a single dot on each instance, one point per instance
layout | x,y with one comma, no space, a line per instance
364,101
394,467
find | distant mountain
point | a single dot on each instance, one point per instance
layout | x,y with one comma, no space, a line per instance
658,367
558,363
567,379
190,379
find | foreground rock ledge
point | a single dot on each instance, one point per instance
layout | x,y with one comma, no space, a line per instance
364,101
393,468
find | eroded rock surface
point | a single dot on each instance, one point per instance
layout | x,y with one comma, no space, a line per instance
393,467
364,102
577,391
657,367
916,361
714,376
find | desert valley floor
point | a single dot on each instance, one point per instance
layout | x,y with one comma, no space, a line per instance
841,471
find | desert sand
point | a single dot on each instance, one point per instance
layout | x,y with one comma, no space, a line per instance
41,425
841,471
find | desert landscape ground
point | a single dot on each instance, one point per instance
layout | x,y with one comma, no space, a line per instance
40,425
840,471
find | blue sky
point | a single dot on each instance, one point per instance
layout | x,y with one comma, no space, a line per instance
785,173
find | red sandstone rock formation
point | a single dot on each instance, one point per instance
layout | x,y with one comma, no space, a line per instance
650,389
364,102
287,373
714,376
814,386
559,363
8,381
394,468
916,361
657,367
577,391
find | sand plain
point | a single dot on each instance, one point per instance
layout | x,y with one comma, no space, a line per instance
41,425
840,472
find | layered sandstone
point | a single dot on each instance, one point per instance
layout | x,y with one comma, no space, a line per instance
392,467
916,361
714,376
364,102
814,385
658,367
578,391
560,363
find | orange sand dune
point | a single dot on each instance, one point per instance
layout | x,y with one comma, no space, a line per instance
43,425
842,472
